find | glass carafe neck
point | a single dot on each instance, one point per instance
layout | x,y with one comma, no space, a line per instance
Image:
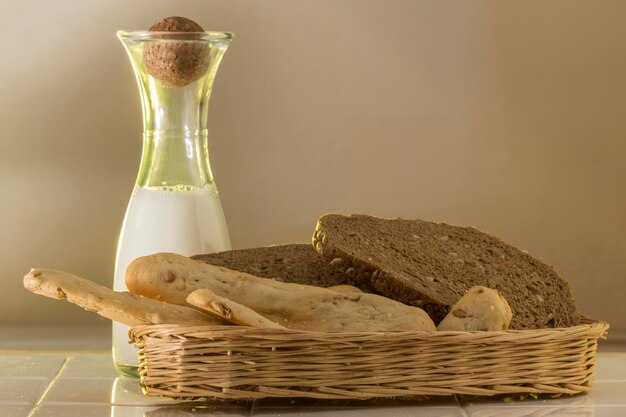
175,160
175,147
175,143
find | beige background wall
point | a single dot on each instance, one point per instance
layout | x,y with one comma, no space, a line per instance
510,116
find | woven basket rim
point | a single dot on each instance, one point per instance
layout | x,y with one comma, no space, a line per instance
587,325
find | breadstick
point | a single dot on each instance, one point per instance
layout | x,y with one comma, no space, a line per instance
124,307
229,310
172,278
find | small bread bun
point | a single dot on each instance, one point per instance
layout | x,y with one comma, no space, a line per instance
480,309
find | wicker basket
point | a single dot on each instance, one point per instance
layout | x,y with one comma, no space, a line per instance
237,362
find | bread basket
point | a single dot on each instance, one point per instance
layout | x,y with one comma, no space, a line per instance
237,362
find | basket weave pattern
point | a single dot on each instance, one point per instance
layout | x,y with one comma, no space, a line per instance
237,362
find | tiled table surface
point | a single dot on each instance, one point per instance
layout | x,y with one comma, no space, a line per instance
86,385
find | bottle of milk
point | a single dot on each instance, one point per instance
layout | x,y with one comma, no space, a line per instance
174,206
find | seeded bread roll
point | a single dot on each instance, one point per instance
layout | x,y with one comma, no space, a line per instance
480,309
432,265
297,263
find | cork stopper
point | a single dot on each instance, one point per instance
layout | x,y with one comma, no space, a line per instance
176,64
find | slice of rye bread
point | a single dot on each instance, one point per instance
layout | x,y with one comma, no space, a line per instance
432,265
297,263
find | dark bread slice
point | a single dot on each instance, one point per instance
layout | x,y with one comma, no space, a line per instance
297,263
431,265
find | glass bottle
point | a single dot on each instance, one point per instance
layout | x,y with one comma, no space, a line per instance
174,206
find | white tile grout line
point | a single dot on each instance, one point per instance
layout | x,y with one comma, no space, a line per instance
49,387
